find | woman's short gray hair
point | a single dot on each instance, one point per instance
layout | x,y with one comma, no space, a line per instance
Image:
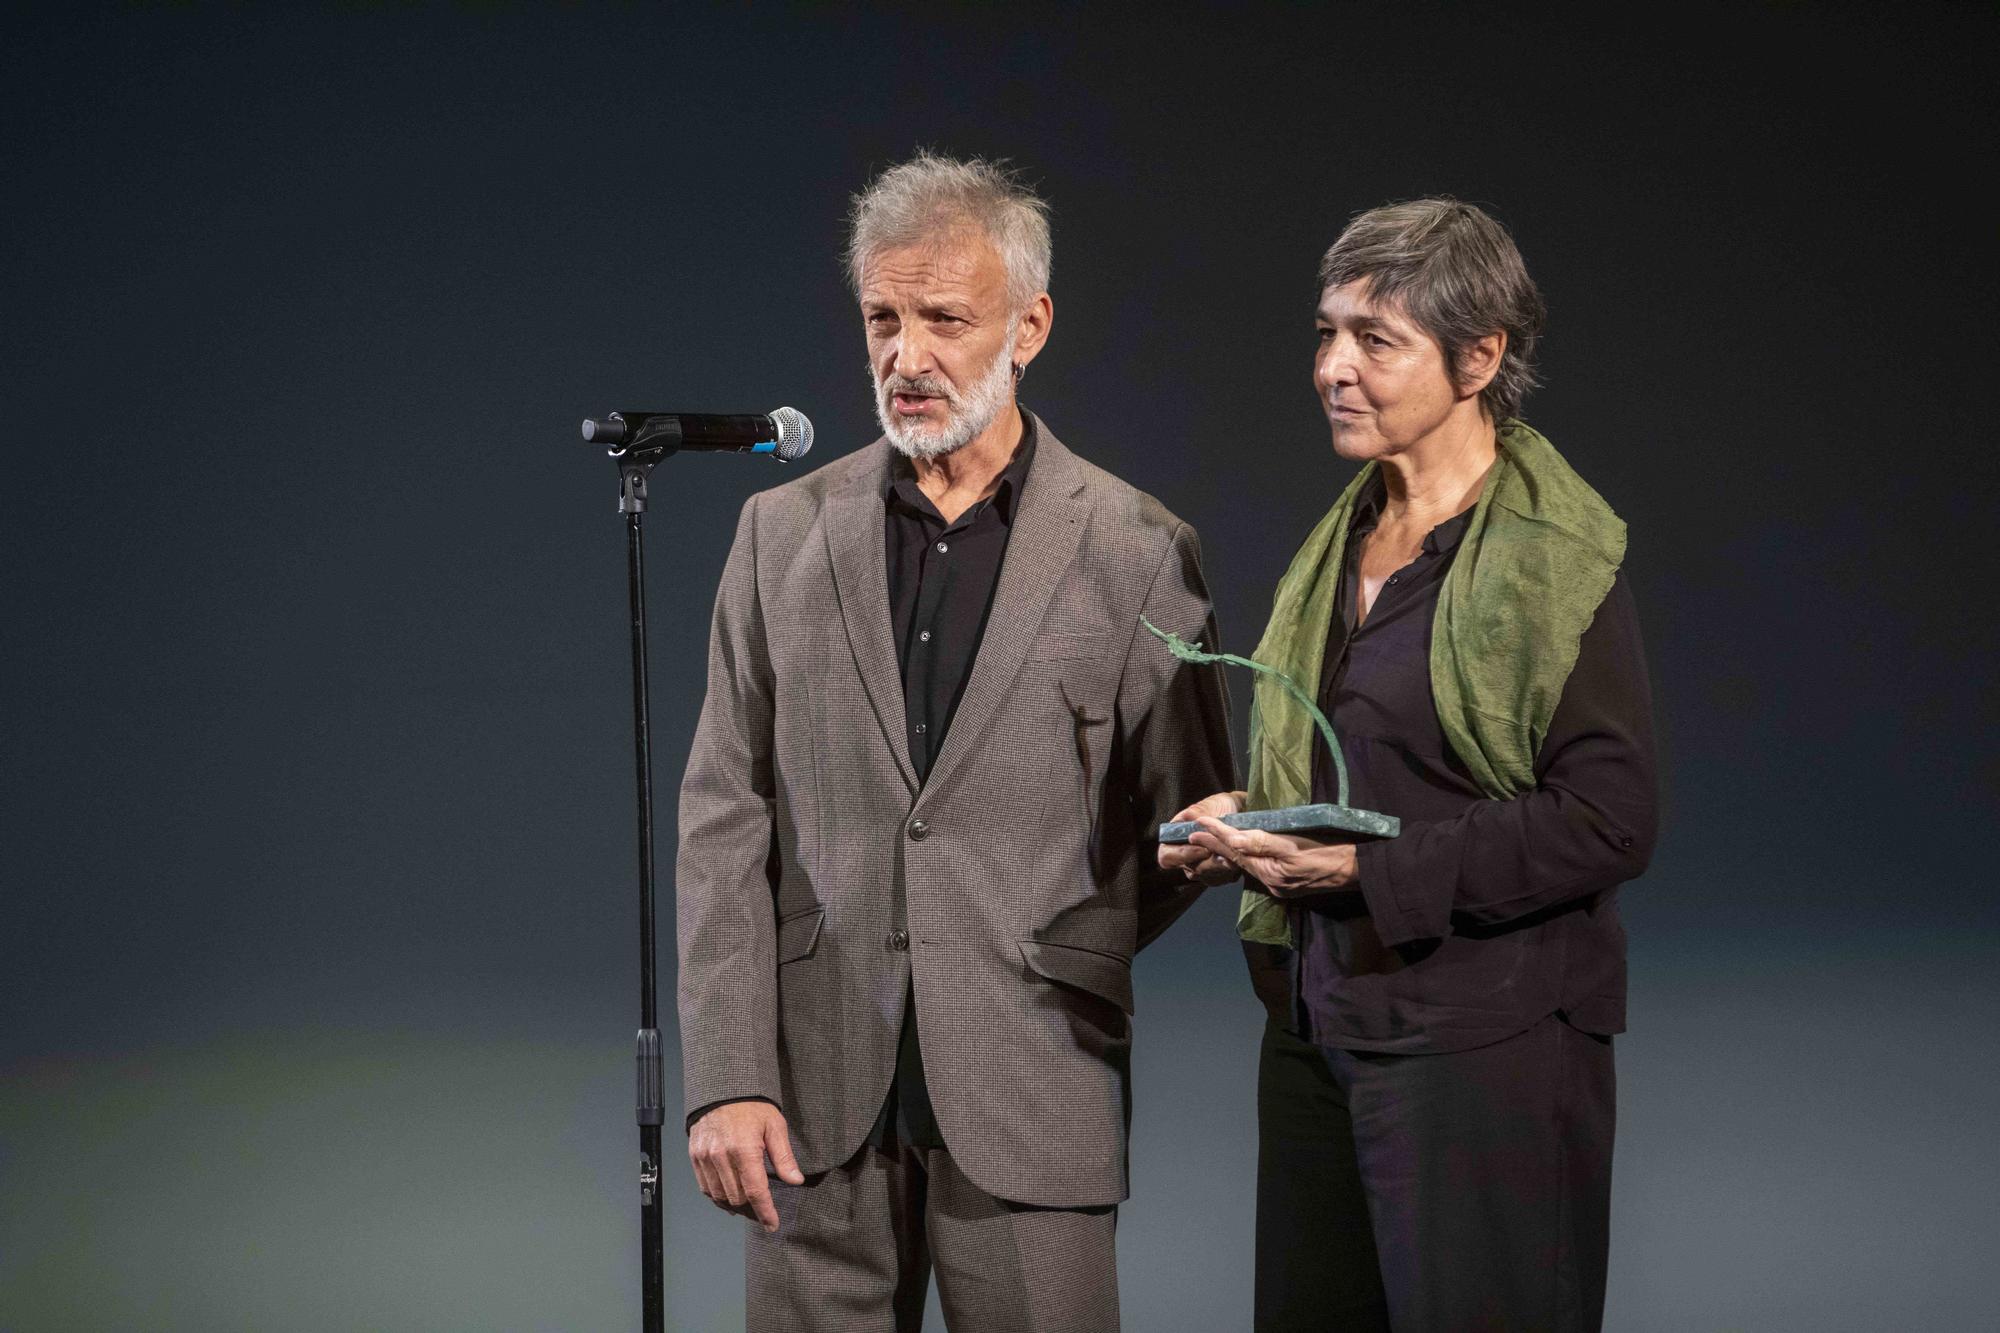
929,196
1454,270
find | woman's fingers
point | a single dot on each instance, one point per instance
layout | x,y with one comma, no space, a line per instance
1193,858
1210,870
1234,843
1213,832
1211,845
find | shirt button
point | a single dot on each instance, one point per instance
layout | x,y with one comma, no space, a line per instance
919,830
942,548
899,940
923,636
1394,577
923,727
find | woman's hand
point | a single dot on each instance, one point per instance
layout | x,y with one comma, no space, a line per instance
1290,867
1201,864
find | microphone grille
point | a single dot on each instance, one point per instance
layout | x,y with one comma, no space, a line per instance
795,433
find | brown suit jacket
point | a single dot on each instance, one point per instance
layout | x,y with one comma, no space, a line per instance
1023,867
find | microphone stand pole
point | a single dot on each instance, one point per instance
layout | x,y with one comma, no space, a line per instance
632,473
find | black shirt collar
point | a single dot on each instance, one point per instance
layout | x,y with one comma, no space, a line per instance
903,489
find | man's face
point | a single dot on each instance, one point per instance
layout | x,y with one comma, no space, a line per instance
1381,379
940,341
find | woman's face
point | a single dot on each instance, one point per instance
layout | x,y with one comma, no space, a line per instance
1381,379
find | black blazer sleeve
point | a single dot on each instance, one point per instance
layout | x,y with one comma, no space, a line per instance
1588,825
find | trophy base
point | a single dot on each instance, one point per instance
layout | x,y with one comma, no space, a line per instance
1311,820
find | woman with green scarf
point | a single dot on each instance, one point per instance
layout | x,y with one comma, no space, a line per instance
1435,1093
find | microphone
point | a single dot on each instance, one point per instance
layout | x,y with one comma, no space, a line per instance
785,434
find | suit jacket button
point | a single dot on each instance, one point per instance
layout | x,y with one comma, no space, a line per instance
919,830
899,940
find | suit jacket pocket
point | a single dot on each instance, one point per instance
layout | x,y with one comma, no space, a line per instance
798,934
1107,976
1071,645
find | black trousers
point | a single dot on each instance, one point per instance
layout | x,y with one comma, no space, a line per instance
1456,1192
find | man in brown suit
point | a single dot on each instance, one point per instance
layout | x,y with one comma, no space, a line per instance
917,822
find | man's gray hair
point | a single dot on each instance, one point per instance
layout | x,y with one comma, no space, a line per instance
928,197
1454,270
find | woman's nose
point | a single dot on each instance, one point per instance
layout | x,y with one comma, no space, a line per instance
1335,363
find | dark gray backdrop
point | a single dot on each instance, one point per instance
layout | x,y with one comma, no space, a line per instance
316,945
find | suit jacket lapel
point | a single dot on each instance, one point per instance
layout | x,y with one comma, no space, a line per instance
1048,528
854,541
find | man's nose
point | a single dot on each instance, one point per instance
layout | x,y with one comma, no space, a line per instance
912,354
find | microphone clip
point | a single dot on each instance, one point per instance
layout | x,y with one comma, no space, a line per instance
632,473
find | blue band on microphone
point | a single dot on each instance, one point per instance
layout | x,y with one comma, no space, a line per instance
768,448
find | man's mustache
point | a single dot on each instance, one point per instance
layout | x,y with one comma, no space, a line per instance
923,384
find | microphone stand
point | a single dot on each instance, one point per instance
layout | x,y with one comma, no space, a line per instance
637,445
633,470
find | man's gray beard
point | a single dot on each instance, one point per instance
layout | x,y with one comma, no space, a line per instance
970,414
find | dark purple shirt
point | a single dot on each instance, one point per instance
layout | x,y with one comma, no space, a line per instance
1484,916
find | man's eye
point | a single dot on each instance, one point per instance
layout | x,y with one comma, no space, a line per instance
1377,340
1325,335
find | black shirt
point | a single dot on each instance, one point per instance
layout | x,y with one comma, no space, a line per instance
1484,916
941,581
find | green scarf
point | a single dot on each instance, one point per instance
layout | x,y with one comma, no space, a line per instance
1538,555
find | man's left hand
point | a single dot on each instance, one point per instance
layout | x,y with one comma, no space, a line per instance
1289,866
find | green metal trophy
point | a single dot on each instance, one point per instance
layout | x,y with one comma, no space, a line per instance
1306,819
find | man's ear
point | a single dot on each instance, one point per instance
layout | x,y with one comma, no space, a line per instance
1031,329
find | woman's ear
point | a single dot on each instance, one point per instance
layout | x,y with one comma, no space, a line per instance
1480,362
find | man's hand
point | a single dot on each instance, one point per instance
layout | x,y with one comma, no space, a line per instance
1201,864
1289,866
728,1148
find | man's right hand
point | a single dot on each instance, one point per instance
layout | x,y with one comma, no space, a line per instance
729,1146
